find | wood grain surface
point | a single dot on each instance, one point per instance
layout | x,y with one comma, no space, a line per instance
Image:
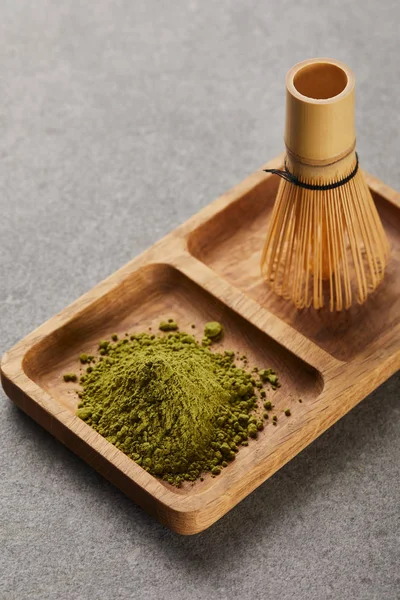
208,269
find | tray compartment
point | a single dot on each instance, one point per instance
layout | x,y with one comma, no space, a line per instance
154,293
230,242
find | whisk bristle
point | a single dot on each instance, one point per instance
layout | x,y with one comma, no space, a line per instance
325,245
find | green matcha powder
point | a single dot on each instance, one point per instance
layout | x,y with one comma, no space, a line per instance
174,406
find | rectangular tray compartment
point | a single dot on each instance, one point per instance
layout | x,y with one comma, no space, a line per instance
141,300
231,242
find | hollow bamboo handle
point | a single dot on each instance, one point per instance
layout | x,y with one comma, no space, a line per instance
320,130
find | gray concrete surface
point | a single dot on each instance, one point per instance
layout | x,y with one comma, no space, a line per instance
119,119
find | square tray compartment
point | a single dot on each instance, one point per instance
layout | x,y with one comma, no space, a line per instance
205,270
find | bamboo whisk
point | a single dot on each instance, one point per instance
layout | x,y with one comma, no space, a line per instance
325,239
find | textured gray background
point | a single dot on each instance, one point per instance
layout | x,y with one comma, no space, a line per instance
119,120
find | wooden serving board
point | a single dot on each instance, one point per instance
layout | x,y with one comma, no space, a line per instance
208,269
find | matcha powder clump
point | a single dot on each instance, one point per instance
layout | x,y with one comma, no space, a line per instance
176,408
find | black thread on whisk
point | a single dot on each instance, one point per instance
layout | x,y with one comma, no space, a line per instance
288,176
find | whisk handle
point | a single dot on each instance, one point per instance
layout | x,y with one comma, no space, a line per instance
320,122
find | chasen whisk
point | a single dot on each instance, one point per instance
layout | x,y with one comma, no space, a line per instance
325,239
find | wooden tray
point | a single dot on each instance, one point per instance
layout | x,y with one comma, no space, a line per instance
208,269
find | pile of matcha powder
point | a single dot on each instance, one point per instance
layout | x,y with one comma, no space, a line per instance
170,403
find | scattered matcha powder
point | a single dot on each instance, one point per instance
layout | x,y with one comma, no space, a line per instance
213,330
70,377
270,376
86,358
169,325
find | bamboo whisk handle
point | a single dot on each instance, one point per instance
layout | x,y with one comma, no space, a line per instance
320,123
